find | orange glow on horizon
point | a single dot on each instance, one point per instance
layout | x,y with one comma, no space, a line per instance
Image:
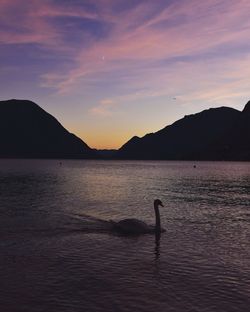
103,140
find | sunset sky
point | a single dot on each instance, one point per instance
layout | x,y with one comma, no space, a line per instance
112,69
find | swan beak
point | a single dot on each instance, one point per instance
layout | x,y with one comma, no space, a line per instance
161,204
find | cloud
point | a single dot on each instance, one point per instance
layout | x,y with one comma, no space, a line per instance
164,49
104,108
186,28
35,22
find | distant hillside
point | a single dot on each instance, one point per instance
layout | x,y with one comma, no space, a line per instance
106,153
214,134
26,130
235,145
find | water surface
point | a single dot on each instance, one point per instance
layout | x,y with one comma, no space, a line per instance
57,253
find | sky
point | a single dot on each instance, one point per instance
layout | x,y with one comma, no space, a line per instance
112,69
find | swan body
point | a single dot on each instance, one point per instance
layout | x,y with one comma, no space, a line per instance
136,227
133,226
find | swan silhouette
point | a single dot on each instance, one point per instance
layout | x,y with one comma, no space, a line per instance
135,226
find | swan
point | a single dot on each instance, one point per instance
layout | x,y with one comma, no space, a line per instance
135,226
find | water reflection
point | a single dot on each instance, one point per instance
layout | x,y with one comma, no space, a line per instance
201,264
157,245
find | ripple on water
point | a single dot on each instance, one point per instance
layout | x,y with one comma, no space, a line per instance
58,255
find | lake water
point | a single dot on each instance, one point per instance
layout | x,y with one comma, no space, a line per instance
56,253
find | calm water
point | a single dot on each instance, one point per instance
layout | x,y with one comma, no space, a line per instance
56,253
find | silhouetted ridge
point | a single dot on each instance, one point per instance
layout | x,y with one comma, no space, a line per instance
213,134
246,109
26,130
236,143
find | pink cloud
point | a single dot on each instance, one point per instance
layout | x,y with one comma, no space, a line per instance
135,45
24,27
103,108
207,25
32,22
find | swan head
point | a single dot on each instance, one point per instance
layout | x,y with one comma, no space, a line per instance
158,202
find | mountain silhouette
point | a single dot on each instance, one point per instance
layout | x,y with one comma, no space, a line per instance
235,145
26,130
213,134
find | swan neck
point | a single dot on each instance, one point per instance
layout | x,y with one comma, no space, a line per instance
157,219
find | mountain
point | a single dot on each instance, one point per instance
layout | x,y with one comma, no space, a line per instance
213,134
26,130
106,153
236,144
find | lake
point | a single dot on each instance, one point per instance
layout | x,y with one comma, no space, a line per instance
58,255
